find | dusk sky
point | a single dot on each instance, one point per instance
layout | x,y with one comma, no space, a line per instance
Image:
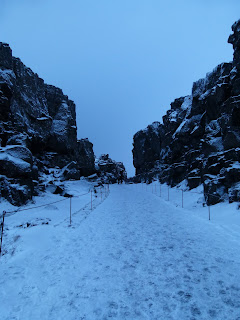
122,62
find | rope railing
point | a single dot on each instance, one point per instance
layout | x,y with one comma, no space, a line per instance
182,190
91,203
70,197
9,213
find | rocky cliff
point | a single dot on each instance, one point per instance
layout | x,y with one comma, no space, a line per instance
37,132
110,171
199,138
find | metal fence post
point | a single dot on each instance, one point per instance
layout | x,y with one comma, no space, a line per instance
70,211
91,199
4,212
182,198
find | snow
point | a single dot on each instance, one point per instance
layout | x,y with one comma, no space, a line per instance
186,106
213,127
217,143
21,164
18,152
199,87
173,116
235,165
7,76
187,103
59,126
207,93
134,256
194,129
154,127
44,118
181,126
233,73
61,121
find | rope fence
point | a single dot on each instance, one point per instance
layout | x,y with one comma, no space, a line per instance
104,190
154,188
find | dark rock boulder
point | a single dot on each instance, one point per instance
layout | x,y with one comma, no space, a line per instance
214,189
71,171
85,157
15,162
6,56
109,170
19,152
16,191
234,39
234,193
147,147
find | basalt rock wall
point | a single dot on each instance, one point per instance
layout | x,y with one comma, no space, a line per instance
38,131
199,137
110,171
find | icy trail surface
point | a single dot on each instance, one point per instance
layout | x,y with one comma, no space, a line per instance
135,256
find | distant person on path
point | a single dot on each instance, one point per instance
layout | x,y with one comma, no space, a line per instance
121,177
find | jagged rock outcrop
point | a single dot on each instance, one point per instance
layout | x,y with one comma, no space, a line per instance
37,131
110,171
199,139
85,156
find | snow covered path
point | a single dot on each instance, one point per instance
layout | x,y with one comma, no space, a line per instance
134,257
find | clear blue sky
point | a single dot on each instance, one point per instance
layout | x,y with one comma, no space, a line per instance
121,61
